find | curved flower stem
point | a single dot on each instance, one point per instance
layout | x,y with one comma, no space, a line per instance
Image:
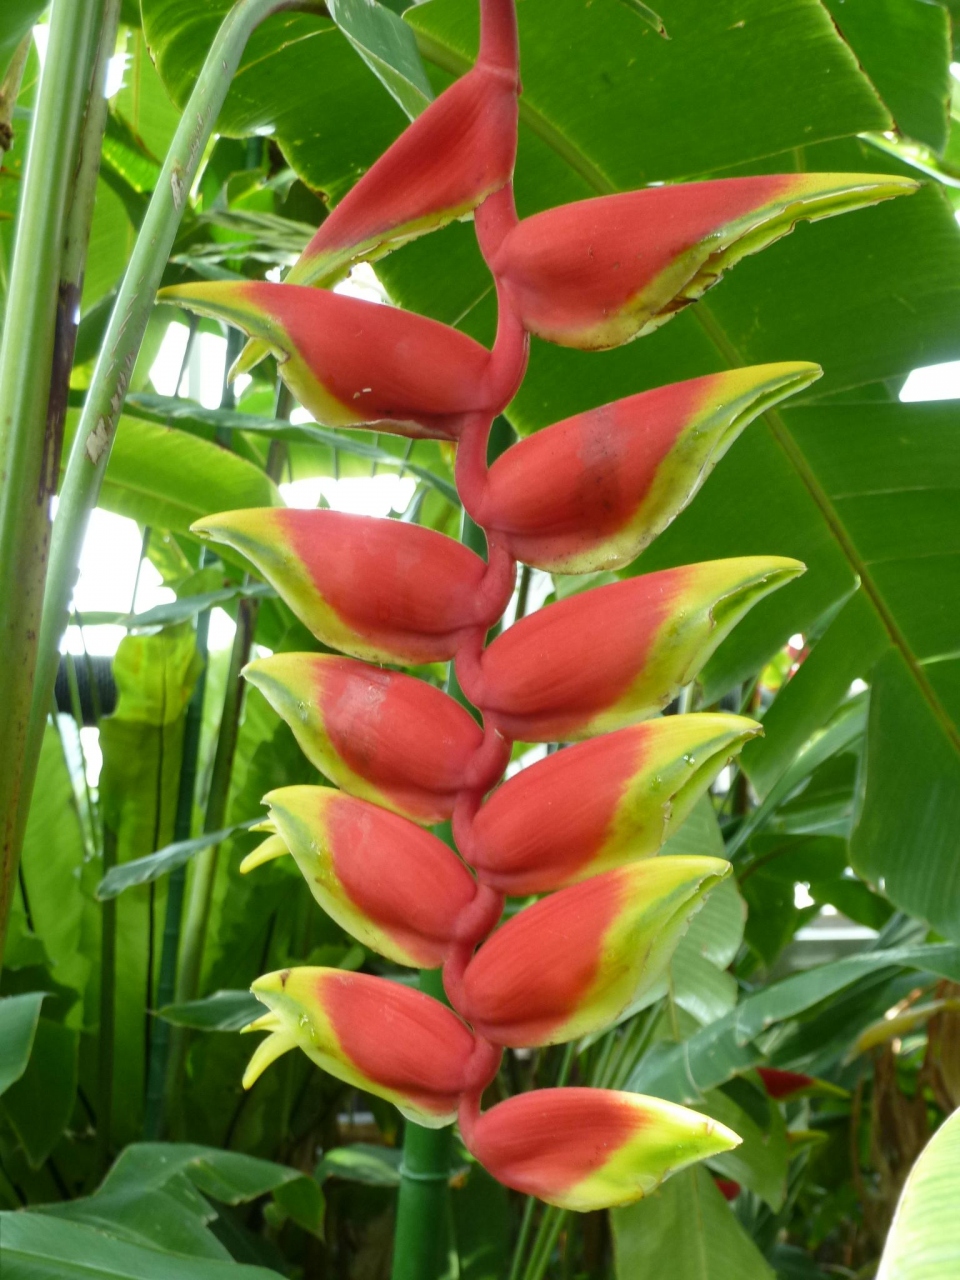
98,422
29,438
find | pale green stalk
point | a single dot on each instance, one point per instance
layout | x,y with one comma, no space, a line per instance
37,342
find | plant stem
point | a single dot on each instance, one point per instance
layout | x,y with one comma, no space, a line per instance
423,1200
155,1110
550,1226
29,435
101,412
108,975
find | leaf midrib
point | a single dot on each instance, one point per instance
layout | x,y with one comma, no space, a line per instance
795,456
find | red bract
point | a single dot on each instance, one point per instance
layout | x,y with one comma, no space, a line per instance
374,1034
614,655
380,735
460,150
591,492
354,363
372,588
601,803
395,887
600,272
589,1148
572,963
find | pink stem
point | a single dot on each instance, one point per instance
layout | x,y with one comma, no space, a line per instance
499,45
469,670
472,469
496,586
493,221
480,917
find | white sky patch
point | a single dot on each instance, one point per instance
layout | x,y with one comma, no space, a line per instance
222,630
108,571
116,70
933,382
801,896
358,495
362,282
41,38
92,755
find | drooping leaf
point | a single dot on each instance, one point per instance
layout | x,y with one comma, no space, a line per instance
386,45
221,1011
924,1239
18,1026
732,1044
163,861
687,1231
362,1162
36,1246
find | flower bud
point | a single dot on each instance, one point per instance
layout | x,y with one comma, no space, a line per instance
393,886
616,654
380,735
376,589
353,363
601,272
586,1149
372,1033
571,964
591,492
600,804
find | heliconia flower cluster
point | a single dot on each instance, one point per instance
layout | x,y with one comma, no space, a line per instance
583,826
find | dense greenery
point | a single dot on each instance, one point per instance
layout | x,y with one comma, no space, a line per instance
122,1114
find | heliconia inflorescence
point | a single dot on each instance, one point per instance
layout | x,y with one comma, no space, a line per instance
584,825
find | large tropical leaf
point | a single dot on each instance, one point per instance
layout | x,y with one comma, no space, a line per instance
924,1239
655,1236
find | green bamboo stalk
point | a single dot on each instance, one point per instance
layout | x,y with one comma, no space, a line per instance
98,422
423,1201
29,435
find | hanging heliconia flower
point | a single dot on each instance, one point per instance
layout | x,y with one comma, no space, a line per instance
588,493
